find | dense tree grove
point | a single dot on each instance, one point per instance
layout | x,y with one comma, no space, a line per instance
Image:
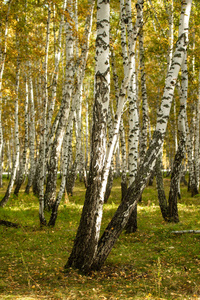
95,90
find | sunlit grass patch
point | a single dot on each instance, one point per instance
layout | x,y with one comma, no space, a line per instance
151,263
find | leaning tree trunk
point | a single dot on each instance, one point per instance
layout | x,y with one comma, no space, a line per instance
134,192
86,242
111,171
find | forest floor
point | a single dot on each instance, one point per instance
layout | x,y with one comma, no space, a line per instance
152,263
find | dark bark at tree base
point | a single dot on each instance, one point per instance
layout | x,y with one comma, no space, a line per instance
88,253
194,190
18,184
54,214
175,177
71,179
150,183
35,185
85,179
5,199
29,184
131,226
27,189
161,192
109,185
189,184
123,189
50,192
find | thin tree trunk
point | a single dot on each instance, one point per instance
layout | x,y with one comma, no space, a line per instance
16,160
160,188
111,171
124,163
42,158
23,165
3,50
83,60
133,140
50,192
196,143
31,134
55,73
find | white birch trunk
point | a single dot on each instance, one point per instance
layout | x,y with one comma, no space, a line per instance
122,95
65,163
124,160
196,143
31,132
56,70
16,139
134,192
50,194
192,172
87,235
44,126
3,50
145,117
24,158
180,153
133,128
170,11
121,132
63,113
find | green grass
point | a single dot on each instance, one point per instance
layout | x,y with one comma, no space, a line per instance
150,264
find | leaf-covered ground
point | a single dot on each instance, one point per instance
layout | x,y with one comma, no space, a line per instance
150,264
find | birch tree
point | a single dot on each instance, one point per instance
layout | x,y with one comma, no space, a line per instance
16,134
31,131
86,242
134,192
50,192
24,158
87,236
133,141
83,60
3,50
